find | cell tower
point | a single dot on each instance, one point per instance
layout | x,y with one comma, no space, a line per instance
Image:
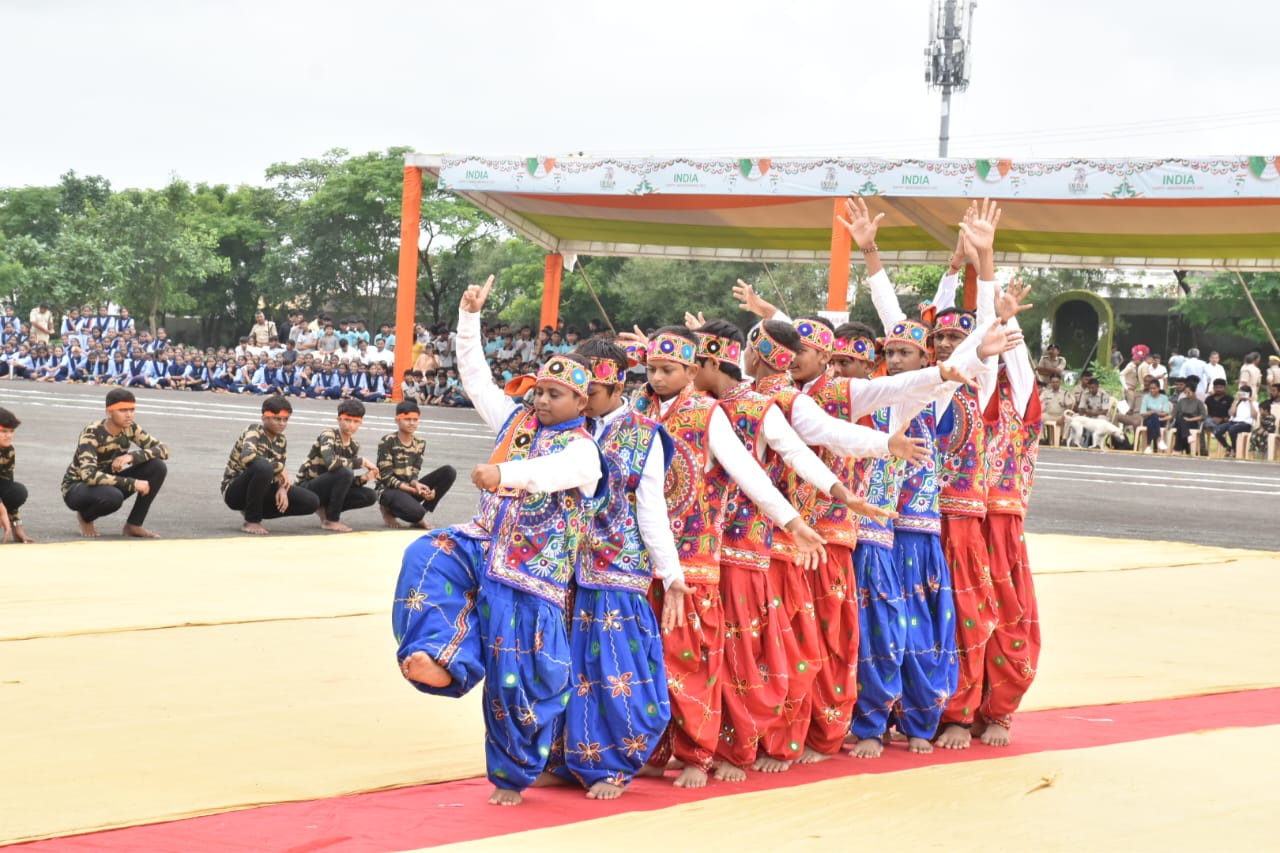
946,59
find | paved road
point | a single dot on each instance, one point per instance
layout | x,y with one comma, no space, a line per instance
1123,495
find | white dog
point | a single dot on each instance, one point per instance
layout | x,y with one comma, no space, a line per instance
1098,429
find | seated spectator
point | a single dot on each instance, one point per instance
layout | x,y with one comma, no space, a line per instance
1218,405
1242,418
1051,364
428,362
1156,412
411,387
439,387
1266,427
1093,403
1188,412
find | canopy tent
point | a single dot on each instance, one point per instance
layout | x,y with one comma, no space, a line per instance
1213,213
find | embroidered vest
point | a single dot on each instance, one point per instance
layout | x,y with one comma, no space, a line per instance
1012,450
748,532
879,483
694,500
964,460
918,510
536,539
828,516
618,558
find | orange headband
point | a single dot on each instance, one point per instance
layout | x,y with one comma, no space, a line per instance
123,404
408,415
267,413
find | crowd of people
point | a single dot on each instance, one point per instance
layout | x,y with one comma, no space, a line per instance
1190,396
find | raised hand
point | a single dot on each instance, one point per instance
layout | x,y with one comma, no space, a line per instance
635,336
913,451
979,233
960,254
749,300
999,339
694,322
859,222
474,297
1009,300
950,373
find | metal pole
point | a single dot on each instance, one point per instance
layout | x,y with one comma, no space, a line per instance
944,135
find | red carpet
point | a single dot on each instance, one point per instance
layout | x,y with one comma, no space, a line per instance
431,815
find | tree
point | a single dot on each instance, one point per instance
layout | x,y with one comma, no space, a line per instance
1220,304
163,254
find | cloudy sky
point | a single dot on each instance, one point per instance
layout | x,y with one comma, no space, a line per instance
140,91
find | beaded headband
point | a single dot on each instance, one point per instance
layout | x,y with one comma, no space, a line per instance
605,371
861,348
908,332
955,321
721,349
815,335
668,347
566,372
767,347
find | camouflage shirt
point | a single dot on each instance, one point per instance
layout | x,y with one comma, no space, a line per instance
8,461
398,464
329,454
98,449
255,443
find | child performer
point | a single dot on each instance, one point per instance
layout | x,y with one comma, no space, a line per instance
707,457
619,708
759,648
487,599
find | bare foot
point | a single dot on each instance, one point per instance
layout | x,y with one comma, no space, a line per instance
335,526
768,764
505,797
850,739
954,736
691,777
86,527
387,518
651,771
547,779
137,531
604,791
812,756
424,669
919,745
867,747
727,772
254,528
996,735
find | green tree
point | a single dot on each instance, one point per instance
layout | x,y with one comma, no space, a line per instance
1220,304
164,254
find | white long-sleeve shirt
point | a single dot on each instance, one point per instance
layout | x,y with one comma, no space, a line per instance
724,447
818,429
778,434
577,465
651,507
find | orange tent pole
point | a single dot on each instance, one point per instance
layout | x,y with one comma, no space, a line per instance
970,287
407,281
552,272
841,249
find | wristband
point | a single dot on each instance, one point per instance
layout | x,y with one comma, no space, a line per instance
873,249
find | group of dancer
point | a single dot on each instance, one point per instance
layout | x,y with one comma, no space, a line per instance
792,542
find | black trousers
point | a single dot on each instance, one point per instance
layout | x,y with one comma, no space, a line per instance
406,507
337,491
13,495
254,494
93,502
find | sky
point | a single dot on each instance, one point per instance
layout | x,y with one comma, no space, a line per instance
215,92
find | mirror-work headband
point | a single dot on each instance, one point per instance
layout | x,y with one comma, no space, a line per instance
815,335
909,332
770,351
668,347
721,349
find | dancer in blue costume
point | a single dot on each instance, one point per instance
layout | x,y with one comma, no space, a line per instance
618,707
487,599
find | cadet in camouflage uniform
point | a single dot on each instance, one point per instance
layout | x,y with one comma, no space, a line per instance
104,471
401,494
257,463
12,493
331,470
